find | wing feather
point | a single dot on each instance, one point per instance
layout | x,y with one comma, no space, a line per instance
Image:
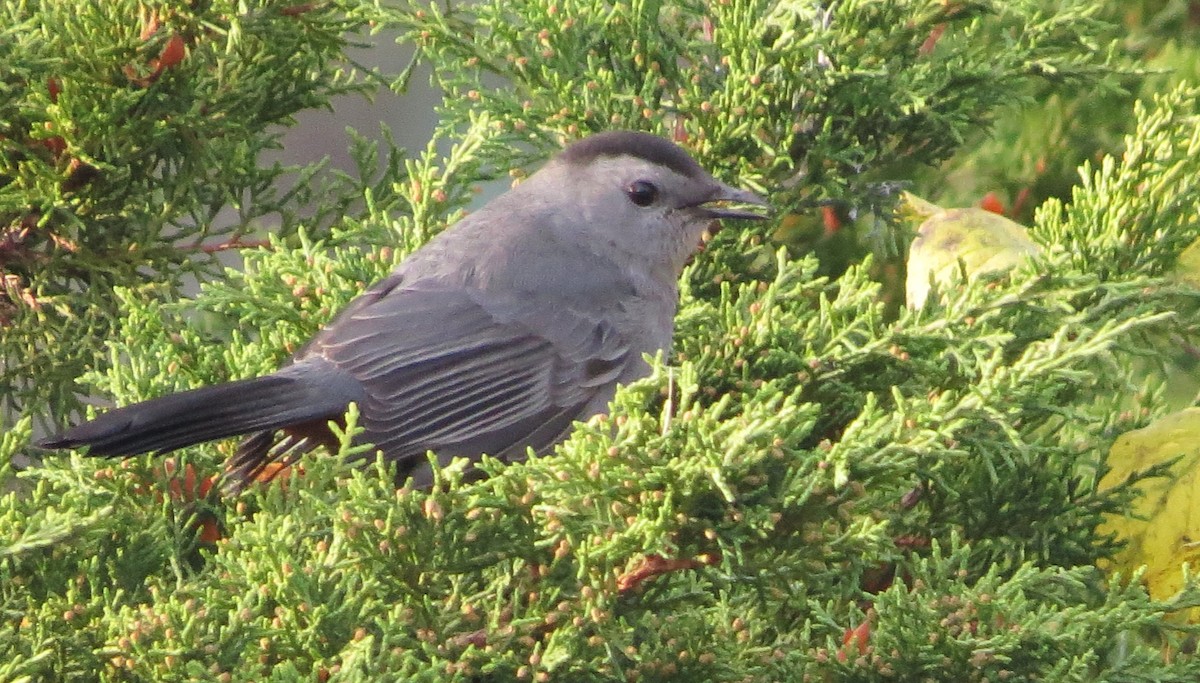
467,372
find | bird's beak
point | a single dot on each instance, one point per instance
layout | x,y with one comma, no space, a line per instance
725,193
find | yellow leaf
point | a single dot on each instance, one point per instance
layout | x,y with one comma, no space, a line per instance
1187,268
1162,531
984,242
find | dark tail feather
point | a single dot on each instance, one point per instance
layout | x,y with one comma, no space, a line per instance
191,417
258,452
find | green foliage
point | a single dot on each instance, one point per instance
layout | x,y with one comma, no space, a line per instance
815,103
125,127
810,487
1033,151
1126,236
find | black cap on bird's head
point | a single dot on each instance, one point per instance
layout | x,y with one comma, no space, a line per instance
662,152
651,148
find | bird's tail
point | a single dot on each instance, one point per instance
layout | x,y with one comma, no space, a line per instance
170,422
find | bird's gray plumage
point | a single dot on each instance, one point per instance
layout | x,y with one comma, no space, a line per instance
493,338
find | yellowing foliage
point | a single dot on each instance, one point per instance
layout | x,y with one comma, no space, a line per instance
984,242
1162,529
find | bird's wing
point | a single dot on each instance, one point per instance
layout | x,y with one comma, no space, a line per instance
464,372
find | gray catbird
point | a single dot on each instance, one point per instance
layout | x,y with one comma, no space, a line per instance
492,338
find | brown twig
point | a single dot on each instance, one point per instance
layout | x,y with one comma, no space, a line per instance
653,566
236,243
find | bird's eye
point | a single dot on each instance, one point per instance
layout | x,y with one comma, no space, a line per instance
642,193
